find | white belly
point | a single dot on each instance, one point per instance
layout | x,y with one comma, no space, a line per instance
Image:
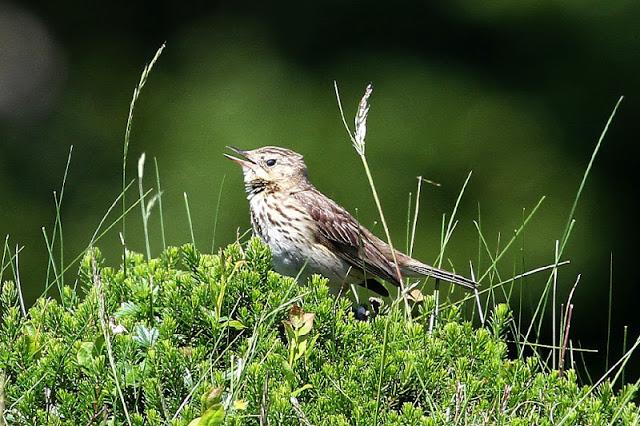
295,251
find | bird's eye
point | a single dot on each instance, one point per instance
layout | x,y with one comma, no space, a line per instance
271,162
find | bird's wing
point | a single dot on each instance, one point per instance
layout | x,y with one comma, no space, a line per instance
340,232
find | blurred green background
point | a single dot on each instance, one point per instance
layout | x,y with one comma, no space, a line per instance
517,92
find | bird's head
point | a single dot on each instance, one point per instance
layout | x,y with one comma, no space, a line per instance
270,168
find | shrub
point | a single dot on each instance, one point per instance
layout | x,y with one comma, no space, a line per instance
196,339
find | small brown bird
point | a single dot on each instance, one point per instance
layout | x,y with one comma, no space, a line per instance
310,233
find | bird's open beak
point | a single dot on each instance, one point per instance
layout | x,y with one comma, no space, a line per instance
244,161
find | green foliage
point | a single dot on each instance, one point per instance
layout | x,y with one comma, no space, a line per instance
196,339
298,328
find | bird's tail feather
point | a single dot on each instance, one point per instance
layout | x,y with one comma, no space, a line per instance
419,269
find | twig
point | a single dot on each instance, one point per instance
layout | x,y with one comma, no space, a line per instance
566,336
264,405
95,416
296,407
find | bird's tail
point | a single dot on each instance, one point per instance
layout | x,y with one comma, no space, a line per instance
419,269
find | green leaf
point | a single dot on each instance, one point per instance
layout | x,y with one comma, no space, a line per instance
85,354
240,404
302,347
312,343
288,371
288,328
126,309
131,375
145,337
301,389
98,344
214,416
235,324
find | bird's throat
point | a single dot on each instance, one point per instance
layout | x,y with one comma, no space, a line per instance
258,186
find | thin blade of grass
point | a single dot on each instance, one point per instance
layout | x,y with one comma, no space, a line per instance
97,281
186,205
451,225
127,134
514,238
52,262
416,211
19,284
216,214
97,235
622,361
507,281
10,261
164,240
58,220
553,305
358,140
408,236
609,310
541,308
567,324
594,154
5,249
624,348
145,213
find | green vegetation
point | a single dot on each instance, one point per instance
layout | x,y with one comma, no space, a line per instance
198,339
195,339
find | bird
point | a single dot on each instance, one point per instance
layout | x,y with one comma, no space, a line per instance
309,233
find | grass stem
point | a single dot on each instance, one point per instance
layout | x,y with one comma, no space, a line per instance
19,285
143,208
358,140
127,136
609,310
186,205
164,240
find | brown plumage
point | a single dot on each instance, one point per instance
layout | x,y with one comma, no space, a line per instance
310,233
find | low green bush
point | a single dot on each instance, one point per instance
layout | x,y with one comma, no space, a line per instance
197,339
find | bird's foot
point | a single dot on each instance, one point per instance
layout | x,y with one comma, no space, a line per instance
371,310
